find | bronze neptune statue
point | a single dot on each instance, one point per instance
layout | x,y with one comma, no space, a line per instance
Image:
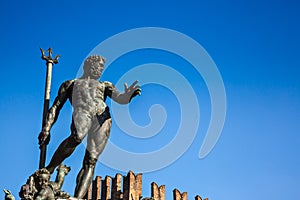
90,117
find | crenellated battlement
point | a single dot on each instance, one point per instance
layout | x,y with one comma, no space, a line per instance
129,187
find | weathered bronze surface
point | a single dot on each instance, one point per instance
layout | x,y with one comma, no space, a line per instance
90,117
39,186
8,195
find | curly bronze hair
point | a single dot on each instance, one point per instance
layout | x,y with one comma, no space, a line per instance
92,60
41,171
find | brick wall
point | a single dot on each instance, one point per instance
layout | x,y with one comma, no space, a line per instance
128,187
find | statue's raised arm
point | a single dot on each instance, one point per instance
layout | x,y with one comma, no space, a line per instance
125,97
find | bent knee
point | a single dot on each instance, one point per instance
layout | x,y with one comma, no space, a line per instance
76,139
91,162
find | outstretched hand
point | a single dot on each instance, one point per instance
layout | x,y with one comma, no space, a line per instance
44,138
132,90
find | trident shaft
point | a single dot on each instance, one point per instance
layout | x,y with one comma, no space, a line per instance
49,63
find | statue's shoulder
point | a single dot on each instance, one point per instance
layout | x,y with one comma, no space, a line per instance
66,86
68,83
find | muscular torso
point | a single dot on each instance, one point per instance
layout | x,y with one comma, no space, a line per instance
88,96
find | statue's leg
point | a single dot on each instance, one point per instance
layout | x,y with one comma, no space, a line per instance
79,128
96,142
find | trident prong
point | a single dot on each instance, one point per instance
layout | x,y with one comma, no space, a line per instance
55,61
50,52
49,57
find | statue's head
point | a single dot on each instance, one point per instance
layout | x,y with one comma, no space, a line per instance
93,66
41,178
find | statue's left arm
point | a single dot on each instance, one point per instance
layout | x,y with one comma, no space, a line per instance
125,97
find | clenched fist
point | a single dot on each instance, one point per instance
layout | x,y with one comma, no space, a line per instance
44,137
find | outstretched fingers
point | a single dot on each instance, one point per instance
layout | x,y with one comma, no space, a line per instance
134,84
133,90
133,87
125,87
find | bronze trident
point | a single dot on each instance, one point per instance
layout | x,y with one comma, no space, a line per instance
49,63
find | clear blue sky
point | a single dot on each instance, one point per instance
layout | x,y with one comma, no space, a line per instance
255,45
